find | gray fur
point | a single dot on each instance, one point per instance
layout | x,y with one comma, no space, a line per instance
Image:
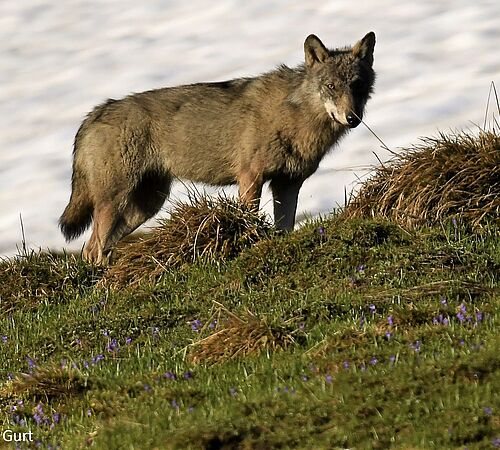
274,127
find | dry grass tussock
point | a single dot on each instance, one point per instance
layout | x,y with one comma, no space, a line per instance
47,382
204,228
240,335
445,177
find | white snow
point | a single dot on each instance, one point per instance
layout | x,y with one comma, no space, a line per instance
435,61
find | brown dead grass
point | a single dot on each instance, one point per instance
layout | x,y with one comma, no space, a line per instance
45,383
449,176
207,229
237,336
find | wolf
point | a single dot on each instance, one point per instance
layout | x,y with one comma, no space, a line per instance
273,127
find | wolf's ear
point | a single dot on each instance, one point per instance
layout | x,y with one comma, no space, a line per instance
364,48
314,50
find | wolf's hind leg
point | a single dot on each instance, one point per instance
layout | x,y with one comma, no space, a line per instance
285,196
116,219
105,216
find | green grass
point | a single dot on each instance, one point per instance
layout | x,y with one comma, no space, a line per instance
372,337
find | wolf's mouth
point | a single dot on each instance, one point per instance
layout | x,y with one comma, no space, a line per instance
332,116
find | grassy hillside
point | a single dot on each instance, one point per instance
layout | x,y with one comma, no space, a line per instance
355,331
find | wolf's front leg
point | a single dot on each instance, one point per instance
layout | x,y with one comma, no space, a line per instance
250,188
285,196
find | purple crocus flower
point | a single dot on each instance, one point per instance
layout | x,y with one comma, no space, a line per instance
328,379
188,375
169,376
196,325
31,363
113,346
5,339
416,346
390,320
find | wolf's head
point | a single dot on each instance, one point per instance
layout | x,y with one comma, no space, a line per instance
343,78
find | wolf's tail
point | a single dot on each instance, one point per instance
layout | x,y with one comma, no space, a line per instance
77,216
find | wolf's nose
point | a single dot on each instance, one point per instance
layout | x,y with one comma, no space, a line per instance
353,121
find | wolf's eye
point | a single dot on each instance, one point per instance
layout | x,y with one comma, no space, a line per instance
330,86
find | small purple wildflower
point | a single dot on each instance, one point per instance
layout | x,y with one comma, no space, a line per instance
321,231
328,379
392,358
462,308
302,326
212,324
89,412
305,378
113,346
440,320
479,316
56,418
175,404
105,333
5,339
444,301
96,359
416,346
128,341
454,222
148,388
372,308
169,375
31,363
373,361
196,325
460,317
155,331
188,375
390,320
39,415
345,365
487,410
85,364
388,335
361,268
495,442
461,342
10,376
